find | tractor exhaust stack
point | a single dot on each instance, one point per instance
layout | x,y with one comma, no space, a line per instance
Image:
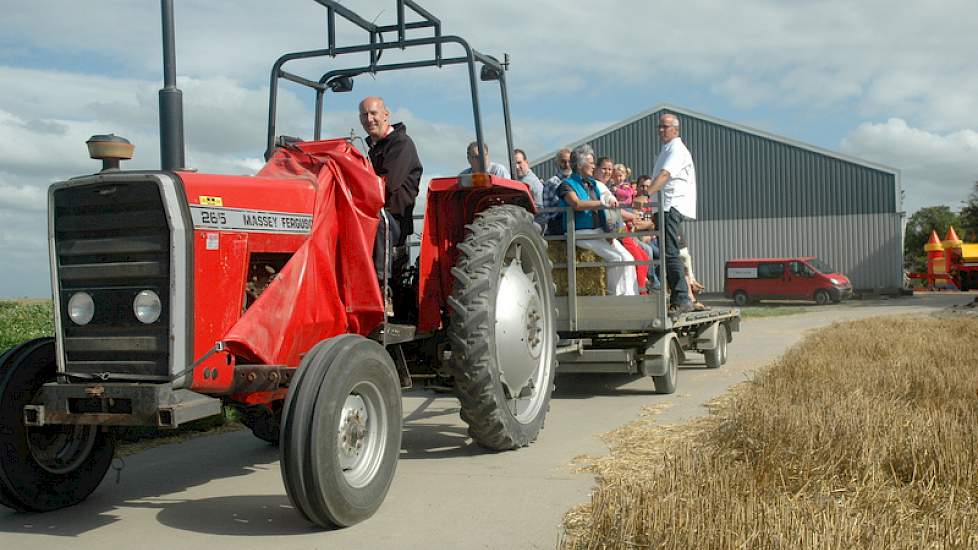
171,98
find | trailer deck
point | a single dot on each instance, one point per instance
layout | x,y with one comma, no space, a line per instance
633,334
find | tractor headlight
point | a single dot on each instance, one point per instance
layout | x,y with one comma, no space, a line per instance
147,307
81,308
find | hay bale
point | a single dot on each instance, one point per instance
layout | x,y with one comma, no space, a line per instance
591,281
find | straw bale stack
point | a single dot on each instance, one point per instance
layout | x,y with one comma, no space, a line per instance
591,281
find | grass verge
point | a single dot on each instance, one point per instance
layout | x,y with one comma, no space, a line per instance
862,436
22,320
758,312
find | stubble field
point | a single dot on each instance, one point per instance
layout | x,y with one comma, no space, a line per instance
862,436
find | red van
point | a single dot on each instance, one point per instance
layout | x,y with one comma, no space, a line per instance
801,278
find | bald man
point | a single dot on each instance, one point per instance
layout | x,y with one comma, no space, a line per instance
395,158
675,175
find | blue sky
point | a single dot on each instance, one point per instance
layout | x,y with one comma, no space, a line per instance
895,83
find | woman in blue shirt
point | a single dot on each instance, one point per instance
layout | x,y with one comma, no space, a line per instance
585,195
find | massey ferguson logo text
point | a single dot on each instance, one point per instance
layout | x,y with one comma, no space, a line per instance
234,219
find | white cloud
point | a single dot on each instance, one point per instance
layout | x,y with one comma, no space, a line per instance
70,71
937,169
21,197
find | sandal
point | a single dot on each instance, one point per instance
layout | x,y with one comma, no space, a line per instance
700,306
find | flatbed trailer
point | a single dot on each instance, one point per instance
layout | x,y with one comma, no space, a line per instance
633,334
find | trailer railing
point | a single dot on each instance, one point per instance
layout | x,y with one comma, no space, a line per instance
570,238
661,317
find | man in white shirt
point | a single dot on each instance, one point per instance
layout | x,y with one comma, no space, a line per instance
494,168
675,175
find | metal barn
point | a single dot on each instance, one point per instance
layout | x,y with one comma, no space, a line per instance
759,194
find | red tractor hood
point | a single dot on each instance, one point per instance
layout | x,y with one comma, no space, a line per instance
329,286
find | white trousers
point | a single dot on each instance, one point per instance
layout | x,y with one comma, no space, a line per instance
622,279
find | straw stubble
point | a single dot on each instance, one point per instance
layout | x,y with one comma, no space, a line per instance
862,436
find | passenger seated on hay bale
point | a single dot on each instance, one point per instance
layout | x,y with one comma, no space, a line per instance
604,173
643,249
581,192
641,217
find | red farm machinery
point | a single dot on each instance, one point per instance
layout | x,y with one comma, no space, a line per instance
166,309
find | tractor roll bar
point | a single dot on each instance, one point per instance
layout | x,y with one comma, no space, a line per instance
492,68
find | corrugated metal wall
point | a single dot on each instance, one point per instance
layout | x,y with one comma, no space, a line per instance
759,196
866,247
744,175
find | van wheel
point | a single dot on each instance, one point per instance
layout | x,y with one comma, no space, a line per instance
822,297
741,298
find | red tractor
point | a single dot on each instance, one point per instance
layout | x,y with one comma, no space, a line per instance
177,293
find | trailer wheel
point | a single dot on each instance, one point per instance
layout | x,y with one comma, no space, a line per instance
725,336
822,297
666,383
48,467
502,328
741,298
718,355
341,431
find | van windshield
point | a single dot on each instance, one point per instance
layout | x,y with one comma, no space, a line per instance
821,266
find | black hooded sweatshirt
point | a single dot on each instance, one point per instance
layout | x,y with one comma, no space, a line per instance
396,159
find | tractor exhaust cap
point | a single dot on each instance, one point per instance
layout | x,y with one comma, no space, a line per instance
110,149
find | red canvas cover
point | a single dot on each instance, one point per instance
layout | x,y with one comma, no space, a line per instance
329,286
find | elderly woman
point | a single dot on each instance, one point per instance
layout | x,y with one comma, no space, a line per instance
583,194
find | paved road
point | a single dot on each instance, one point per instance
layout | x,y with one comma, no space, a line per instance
225,491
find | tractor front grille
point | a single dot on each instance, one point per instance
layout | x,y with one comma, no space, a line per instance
112,240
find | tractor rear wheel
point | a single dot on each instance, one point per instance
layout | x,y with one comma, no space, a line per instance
502,328
341,431
48,467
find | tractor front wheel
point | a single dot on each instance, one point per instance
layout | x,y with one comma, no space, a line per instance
341,431
48,467
502,328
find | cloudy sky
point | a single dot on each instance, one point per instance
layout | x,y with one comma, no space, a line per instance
892,82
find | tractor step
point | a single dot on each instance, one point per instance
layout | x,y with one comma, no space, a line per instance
398,334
